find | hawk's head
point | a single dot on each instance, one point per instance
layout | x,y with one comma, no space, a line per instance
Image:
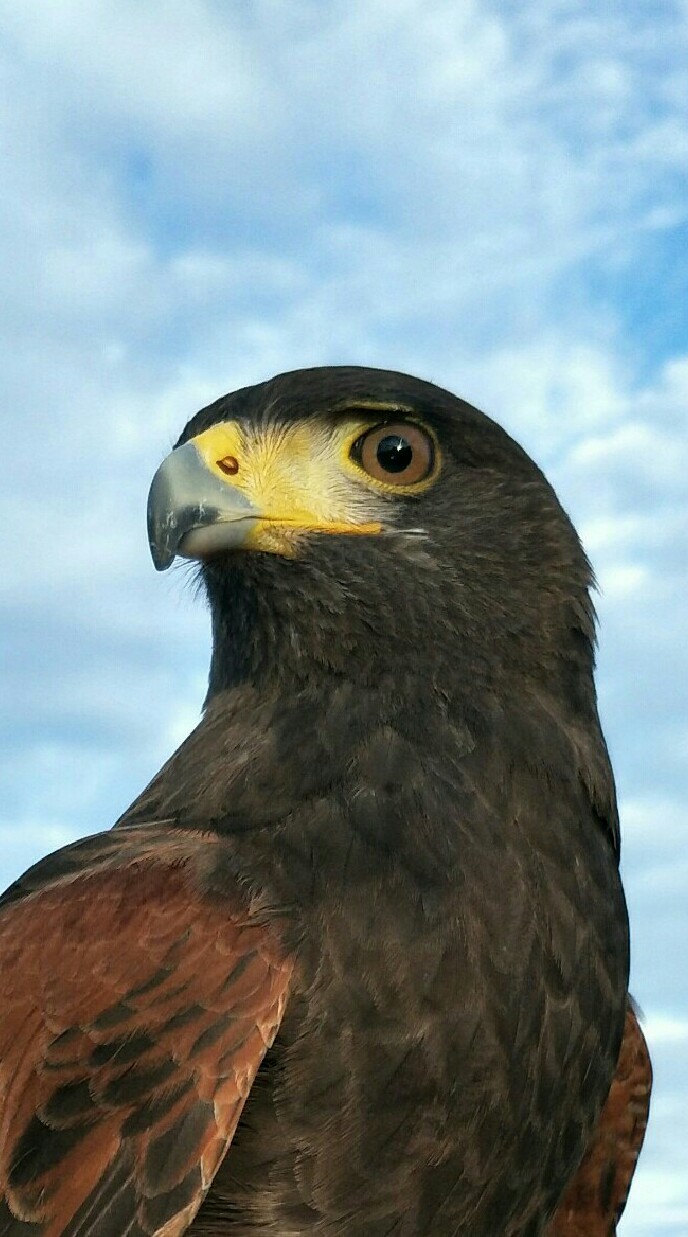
368,522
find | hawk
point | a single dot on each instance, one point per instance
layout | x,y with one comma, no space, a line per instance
356,961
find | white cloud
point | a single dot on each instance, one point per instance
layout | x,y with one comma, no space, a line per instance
640,812
666,1029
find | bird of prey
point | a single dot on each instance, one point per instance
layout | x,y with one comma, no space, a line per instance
356,961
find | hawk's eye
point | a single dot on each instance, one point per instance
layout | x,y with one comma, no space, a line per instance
398,454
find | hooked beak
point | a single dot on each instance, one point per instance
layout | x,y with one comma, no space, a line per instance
193,513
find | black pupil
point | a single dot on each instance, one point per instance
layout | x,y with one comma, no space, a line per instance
394,453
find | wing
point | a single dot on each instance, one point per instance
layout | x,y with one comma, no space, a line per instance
597,1195
135,1010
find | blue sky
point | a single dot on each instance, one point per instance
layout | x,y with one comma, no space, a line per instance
196,195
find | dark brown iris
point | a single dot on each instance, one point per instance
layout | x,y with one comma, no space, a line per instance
398,454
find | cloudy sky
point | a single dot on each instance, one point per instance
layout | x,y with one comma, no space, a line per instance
197,194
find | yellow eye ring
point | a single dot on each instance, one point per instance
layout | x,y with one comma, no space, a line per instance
397,454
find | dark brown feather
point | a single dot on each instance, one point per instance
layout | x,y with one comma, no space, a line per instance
135,1014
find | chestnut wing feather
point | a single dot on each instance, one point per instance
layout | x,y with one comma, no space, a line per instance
134,1013
595,1199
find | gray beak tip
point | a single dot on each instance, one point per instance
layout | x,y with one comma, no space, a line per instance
162,559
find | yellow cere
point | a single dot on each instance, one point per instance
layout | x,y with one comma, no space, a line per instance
300,477
297,478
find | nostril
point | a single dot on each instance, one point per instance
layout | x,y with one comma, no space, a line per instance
229,465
